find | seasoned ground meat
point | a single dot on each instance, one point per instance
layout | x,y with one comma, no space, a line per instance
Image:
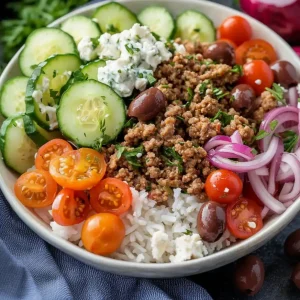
168,152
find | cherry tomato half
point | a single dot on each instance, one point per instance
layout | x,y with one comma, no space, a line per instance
102,233
36,189
223,186
70,207
236,29
50,150
78,169
254,50
258,75
243,218
111,195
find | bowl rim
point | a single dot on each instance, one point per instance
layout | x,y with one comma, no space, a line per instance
215,259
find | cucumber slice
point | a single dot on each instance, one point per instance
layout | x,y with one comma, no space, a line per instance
41,44
43,89
90,113
159,20
17,148
195,26
12,96
114,17
91,69
39,135
79,27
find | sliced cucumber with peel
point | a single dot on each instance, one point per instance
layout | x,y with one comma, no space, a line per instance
113,17
17,148
81,26
159,20
47,80
43,43
90,113
12,96
91,69
194,26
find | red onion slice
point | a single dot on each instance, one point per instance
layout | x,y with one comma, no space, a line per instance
234,151
236,138
287,187
263,171
293,96
259,161
294,164
263,194
217,141
264,212
288,204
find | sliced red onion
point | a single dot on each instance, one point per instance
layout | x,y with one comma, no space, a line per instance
287,187
217,141
274,168
294,163
264,212
259,161
235,151
236,138
263,194
263,171
288,204
293,96
287,176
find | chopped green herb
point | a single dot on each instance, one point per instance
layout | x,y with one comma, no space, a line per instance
237,69
223,117
130,123
119,71
75,77
290,140
54,74
148,187
273,125
151,79
172,158
120,150
277,92
188,232
261,134
131,49
189,57
180,118
130,155
110,28
156,36
197,30
170,47
203,88
137,37
190,97
141,75
254,151
98,143
165,86
95,42
219,94
172,63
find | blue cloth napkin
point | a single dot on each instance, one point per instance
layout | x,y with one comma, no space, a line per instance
31,269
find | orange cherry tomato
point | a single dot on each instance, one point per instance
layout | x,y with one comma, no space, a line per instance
258,75
50,150
111,195
223,186
36,189
78,169
236,29
103,233
254,50
70,207
231,43
243,218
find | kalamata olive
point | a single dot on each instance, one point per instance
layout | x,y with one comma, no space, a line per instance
211,221
243,97
292,245
284,73
296,275
249,275
220,52
147,105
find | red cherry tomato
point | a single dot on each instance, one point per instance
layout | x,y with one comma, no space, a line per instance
243,218
258,75
111,195
236,29
70,207
223,186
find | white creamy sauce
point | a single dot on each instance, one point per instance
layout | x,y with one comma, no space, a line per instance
86,49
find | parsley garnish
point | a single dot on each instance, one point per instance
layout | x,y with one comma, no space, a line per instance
188,232
148,187
190,97
99,142
189,57
172,158
172,63
130,123
130,155
237,69
223,117
203,88
219,94
54,74
254,151
151,79
75,77
277,92
95,42
290,140
261,134
180,118
273,124
110,28
131,49
165,86
197,30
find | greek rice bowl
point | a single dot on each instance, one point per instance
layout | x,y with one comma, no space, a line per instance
149,142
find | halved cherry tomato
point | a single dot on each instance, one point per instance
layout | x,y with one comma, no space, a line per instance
236,29
231,43
255,49
102,233
243,218
36,189
223,186
111,195
50,150
249,193
78,169
258,75
70,207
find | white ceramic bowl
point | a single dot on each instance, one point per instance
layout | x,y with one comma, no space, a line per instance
7,178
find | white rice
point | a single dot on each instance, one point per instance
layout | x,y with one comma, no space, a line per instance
154,233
